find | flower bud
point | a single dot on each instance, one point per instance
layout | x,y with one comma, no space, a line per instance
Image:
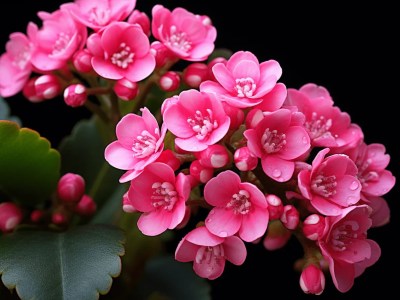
290,217
244,160
253,117
70,188
142,19
199,172
214,156
127,204
313,226
275,206
194,74
82,61
42,88
36,215
75,95
161,53
59,218
86,206
126,89
10,216
212,63
169,81
277,236
312,280
168,157
235,114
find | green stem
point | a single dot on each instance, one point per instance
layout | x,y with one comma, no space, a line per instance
99,179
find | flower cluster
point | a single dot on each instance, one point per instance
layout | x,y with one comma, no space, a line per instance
209,142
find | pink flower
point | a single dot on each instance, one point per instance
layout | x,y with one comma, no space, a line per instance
210,252
190,37
197,119
331,184
345,246
278,141
15,65
326,124
240,207
243,82
55,43
139,143
121,50
160,196
97,14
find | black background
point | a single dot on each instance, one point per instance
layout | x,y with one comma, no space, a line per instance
351,50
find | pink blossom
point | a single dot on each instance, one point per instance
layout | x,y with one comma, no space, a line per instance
243,82
139,143
239,207
278,141
326,124
97,14
345,245
140,18
190,37
160,196
15,65
121,50
55,43
331,184
210,252
197,119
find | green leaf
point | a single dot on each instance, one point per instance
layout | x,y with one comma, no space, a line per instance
167,278
29,168
76,264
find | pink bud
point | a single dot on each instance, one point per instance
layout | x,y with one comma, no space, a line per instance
244,160
275,206
10,216
36,215
290,217
277,236
82,61
140,18
193,181
312,280
126,89
127,204
235,114
161,53
169,81
214,156
313,226
59,218
75,95
253,117
42,88
168,157
212,63
194,74
199,172
86,206
70,188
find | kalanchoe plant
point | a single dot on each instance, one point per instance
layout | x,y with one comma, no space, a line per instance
182,138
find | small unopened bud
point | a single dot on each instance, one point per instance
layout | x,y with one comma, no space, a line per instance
127,204
244,160
42,88
277,236
194,74
199,172
82,61
36,215
212,63
75,95
214,156
312,280
169,81
313,226
253,117
290,217
235,114
10,216
86,206
59,218
70,188
125,89
140,18
275,206
168,157
161,53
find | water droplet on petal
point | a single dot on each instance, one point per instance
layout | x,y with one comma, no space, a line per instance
276,173
211,212
208,220
354,185
223,234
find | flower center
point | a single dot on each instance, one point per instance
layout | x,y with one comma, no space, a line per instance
212,256
124,57
245,87
178,40
272,141
318,126
240,202
164,195
144,145
324,185
99,16
202,124
344,235
61,43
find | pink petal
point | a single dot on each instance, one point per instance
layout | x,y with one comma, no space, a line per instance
175,119
256,196
274,99
155,222
277,168
311,90
128,128
356,251
325,207
140,68
186,251
201,51
342,275
297,143
239,56
223,222
270,72
347,191
212,87
224,77
380,214
254,224
375,255
253,142
304,183
203,237
217,196
247,69
191,144
106,69
177,214
235,250
381,186
209,269
129,175
119,157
